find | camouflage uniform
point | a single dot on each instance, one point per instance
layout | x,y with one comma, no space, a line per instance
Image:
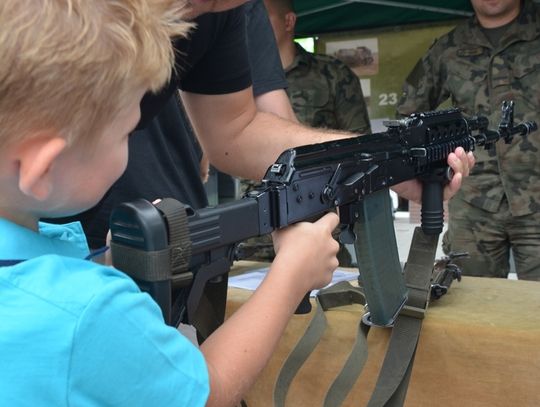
324,92
498,206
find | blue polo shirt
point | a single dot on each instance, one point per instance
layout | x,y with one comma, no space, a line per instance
75,333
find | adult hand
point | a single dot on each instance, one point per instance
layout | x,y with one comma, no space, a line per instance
459,161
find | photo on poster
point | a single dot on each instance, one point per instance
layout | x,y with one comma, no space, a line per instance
361,55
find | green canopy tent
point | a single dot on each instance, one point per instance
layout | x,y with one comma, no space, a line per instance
325,16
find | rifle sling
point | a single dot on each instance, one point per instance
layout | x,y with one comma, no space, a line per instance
340,294
392,383
391,387
352,368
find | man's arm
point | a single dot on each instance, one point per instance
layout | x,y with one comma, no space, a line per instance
267,73
276,102
242,141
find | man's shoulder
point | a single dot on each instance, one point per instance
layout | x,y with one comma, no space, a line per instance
331,67
453,39
531,13
329,60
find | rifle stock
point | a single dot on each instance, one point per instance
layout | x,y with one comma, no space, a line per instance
305,182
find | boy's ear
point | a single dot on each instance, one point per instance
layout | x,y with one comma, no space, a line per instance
36,156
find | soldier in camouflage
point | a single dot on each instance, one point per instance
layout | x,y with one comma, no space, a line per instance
323,91
494,56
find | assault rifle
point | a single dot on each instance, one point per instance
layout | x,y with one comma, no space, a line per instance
168,246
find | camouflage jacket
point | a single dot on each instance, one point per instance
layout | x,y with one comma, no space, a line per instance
463,66
324,92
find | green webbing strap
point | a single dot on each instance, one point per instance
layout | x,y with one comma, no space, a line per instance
340,294
419,271
142,265
345,379
392,383
298,356
159,265
175,215
391,387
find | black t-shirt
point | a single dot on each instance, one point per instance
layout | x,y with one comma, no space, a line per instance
163,152
264,60
163,155
213,60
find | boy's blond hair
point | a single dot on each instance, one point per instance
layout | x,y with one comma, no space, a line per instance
72,65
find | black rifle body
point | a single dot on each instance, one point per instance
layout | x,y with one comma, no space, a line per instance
304,183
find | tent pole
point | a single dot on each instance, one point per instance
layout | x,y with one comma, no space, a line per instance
319,9
420,7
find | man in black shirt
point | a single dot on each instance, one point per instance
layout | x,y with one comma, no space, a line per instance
244,141
164,158
267,75
213,74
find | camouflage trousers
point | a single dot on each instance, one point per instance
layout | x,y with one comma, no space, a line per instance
490,237
262,249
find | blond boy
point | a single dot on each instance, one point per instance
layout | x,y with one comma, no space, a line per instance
72,332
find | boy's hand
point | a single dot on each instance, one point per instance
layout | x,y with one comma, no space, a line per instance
308,251
459,161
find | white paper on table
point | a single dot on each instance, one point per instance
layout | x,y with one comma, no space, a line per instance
252,279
